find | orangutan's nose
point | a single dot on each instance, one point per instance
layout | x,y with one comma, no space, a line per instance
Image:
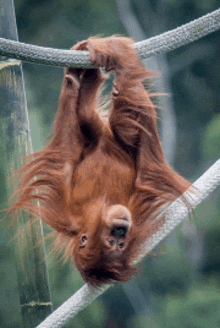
119,230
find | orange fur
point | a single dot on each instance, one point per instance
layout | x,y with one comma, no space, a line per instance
100,183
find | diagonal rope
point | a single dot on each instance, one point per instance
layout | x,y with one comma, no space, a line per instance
174,214
156,45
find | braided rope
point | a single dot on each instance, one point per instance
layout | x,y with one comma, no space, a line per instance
174,214
157,45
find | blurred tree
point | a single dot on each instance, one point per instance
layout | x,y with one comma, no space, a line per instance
211,141
168,282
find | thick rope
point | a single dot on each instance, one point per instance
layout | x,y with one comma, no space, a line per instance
157,45
174,214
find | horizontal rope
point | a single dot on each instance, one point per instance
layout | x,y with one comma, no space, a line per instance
157,45
174,214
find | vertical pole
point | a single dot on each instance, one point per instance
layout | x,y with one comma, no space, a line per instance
15,140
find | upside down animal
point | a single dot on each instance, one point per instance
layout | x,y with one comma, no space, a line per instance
101,182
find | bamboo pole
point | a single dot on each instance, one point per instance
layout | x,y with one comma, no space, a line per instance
16,142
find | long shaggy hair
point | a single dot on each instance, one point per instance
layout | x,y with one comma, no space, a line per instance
101,182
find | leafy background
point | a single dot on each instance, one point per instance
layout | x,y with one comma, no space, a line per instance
180,286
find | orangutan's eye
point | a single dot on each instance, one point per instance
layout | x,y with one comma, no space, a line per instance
120,244
111,241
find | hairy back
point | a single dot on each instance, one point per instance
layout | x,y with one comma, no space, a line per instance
101,184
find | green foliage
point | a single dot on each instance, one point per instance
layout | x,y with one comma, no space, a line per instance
199,308
210,146
169,272
168,282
